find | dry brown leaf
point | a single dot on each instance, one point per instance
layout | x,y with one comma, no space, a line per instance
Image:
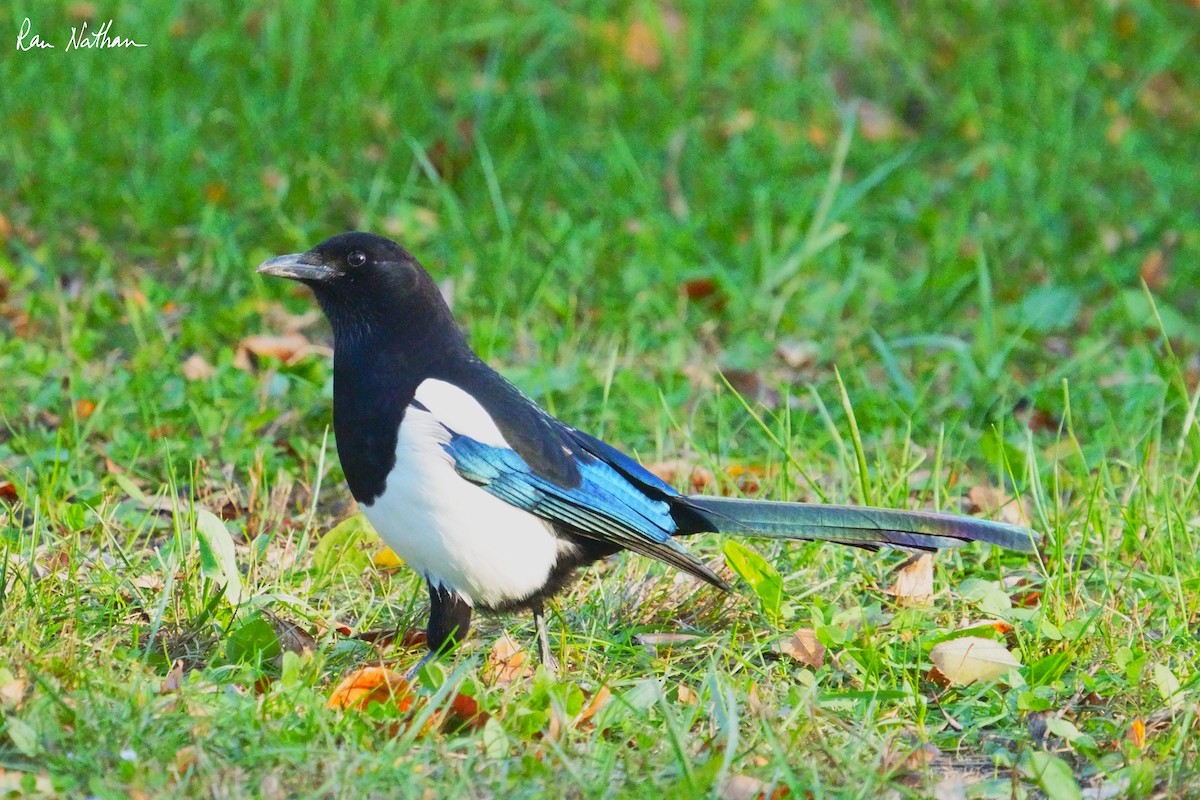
1155,269
745,787
700,288
968,659
286,347
368,685
914,581
507,661
686,695
641,46
174,679
994,502
673,470
148,581
196,368
186,758
13,692
877,123
292,638
803,647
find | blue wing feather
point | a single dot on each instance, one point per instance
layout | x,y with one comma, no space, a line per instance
604,505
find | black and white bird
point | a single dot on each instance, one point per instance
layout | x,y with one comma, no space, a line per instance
493,501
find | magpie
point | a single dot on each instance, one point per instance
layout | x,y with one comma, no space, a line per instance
494,502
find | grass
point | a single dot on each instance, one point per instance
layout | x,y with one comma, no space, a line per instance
870,253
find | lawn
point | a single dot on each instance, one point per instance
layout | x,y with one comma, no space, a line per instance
896,254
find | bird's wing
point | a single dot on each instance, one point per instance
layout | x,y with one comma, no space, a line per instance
643,478
604,505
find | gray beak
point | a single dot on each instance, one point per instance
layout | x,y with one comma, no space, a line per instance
298,267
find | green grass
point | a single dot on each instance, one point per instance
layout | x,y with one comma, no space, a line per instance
965,247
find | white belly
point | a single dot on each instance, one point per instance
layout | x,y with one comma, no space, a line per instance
451,531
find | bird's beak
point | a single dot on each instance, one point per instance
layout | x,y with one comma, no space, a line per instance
298,267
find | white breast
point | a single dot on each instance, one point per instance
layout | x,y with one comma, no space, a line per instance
448,529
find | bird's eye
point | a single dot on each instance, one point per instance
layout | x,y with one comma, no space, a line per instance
357,258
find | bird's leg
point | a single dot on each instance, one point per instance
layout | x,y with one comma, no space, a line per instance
544,651
449,622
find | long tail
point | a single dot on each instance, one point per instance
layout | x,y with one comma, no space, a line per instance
870,528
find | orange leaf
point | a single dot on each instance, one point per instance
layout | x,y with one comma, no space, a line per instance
368,685
287,347
507,661
464,712
597,702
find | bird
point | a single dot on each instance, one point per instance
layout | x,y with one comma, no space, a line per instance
493,501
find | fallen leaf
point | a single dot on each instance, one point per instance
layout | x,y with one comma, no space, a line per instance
914,581
877,123
700,288
12,691
803,646
797,353
507,661
968,659
195,368
285,347
1154,269
674,470
292,638
641,47
174,679
686,695
1136,734
368,685
745,787
992,502
186,758
463,713
594,705
385,558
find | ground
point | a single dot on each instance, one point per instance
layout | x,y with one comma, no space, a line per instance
906,256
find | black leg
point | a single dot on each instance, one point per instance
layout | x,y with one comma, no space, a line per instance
544,651
449,623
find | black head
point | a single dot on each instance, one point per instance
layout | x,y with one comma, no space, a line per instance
368,284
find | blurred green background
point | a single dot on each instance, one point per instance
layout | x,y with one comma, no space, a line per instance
983,219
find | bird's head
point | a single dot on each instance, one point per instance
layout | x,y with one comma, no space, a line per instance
363,280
